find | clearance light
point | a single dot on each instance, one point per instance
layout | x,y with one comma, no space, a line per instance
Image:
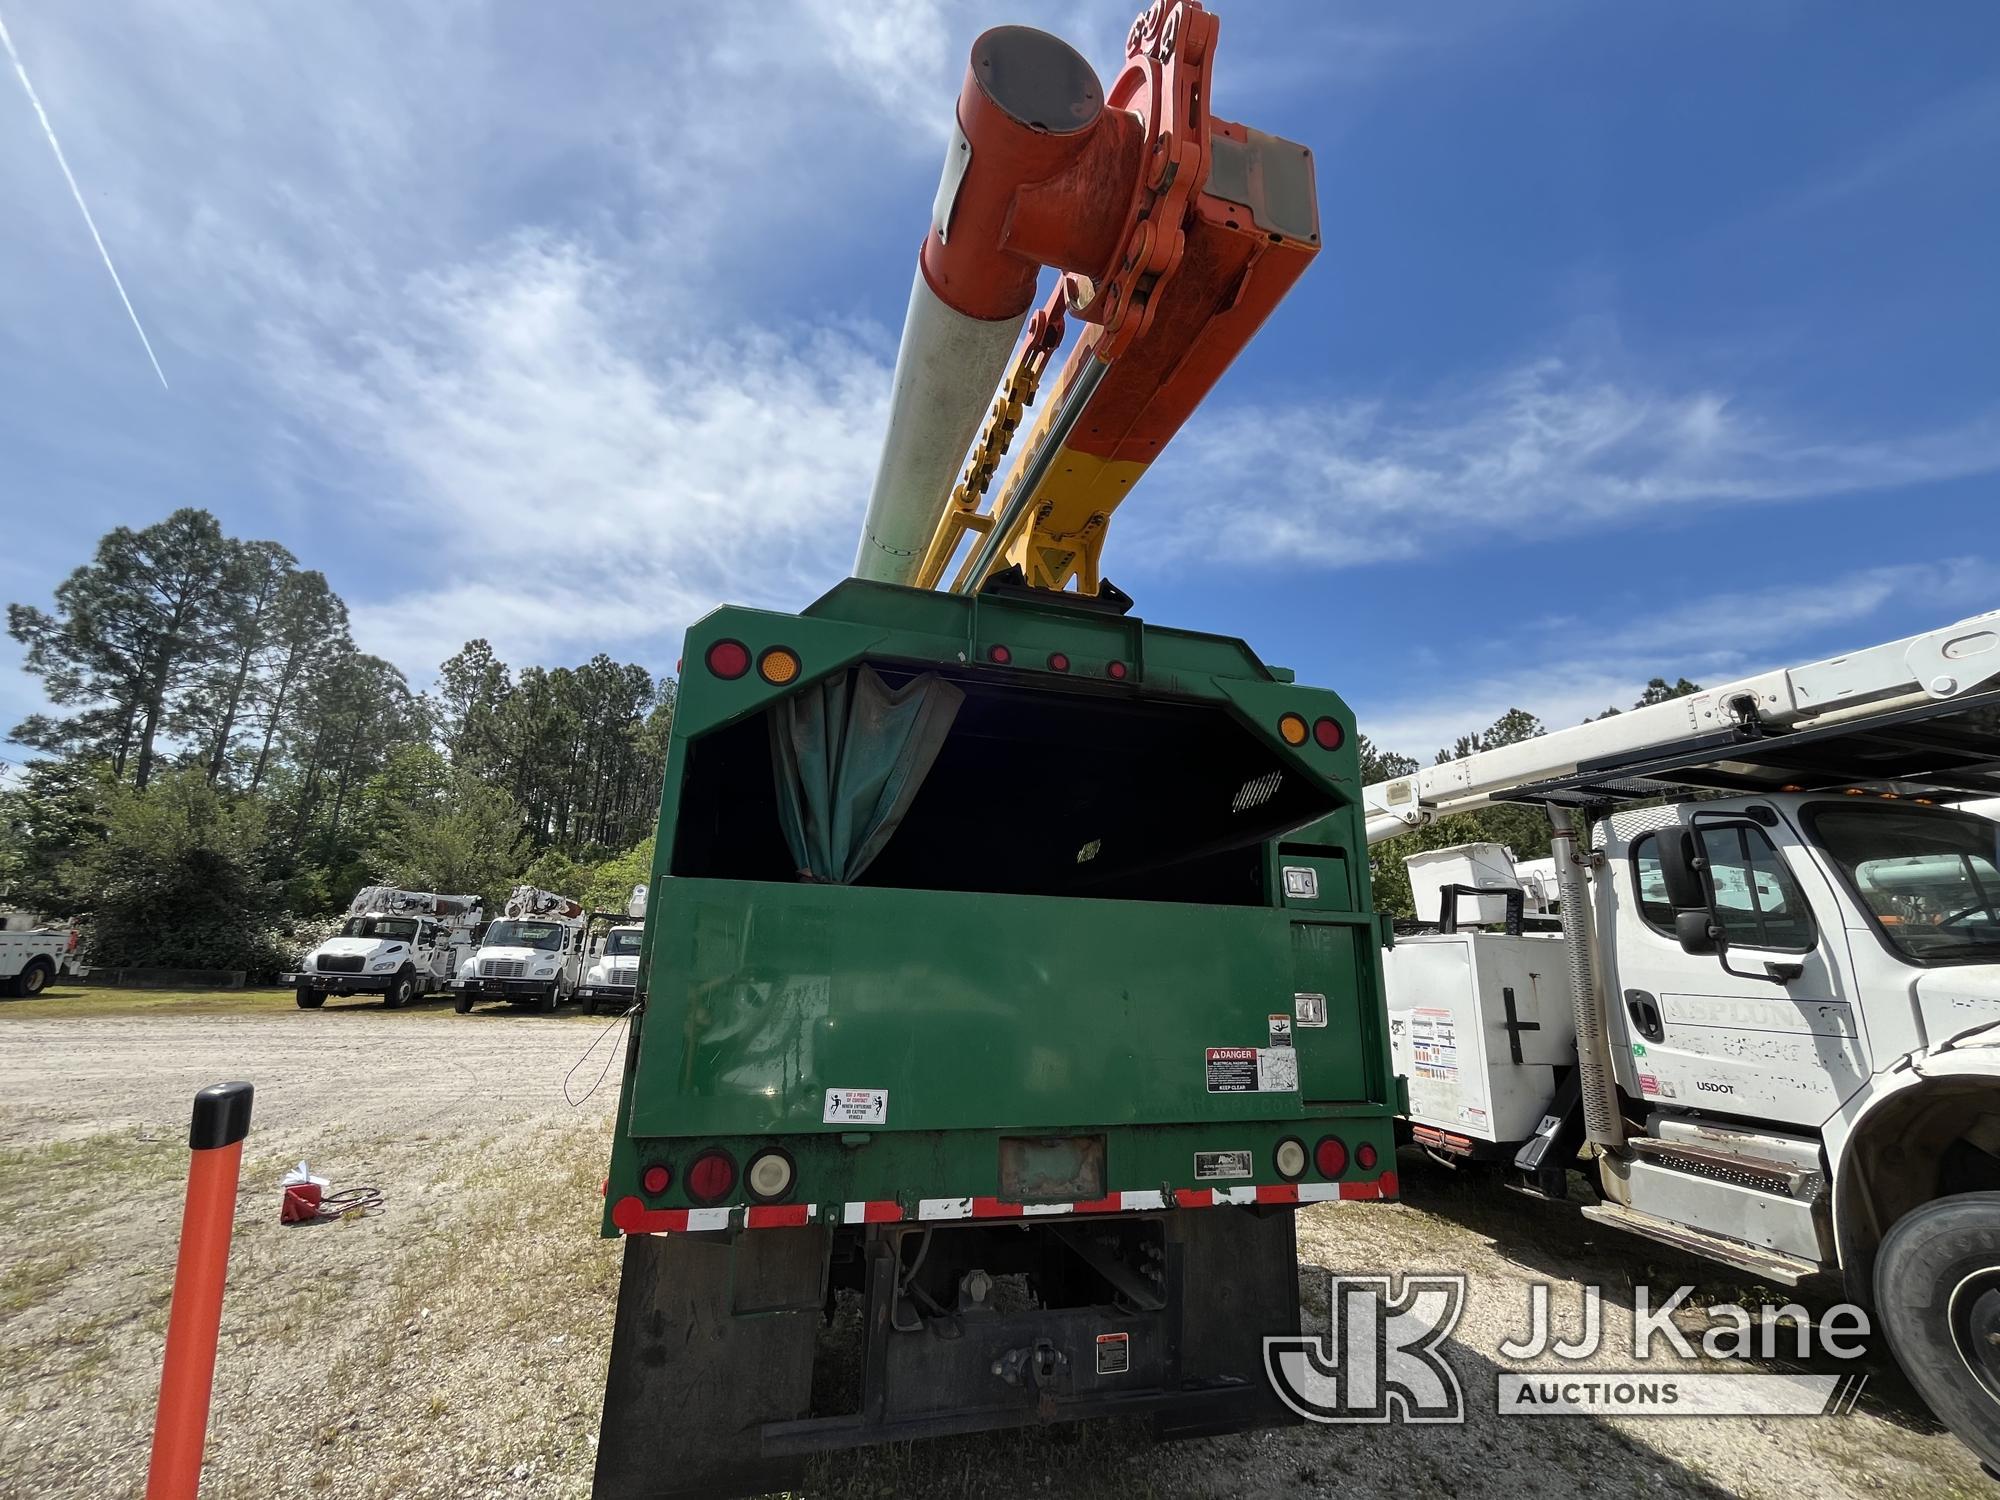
1058,662
1920,801
778,666
1364,1157
1854,791
1290,1160
711,1177
1292,729
1791,786
769,1175
1115,670
999,655
657,1179
1328,734
1330,1156
728,660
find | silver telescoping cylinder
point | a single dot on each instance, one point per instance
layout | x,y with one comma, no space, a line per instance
1603,1123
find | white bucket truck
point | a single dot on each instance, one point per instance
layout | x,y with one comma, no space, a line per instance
401,945
32,958
613,976
532,954
1770,1018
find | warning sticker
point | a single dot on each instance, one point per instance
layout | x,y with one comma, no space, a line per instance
1114,1353
1253,1070
1648,1084
856,1107
1309,1009
1434,1045
1281,1030
1220,1166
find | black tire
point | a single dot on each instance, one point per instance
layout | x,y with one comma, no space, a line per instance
463,1003
402,990
32,980
553,998
1937,1289
309,999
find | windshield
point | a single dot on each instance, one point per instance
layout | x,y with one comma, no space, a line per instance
508,934
1930,880
392,929
624,943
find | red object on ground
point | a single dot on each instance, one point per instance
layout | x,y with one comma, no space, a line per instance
301,1203
180,1427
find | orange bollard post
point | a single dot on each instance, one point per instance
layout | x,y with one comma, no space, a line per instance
180,1428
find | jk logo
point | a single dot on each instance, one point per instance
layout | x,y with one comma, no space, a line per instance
1379,1361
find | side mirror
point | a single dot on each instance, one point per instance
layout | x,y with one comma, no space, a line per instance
1679,871
1695,932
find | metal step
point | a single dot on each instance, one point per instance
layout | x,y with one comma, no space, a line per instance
1788,1270
1763,1173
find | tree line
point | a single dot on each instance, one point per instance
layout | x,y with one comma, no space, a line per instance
223,764
1522,828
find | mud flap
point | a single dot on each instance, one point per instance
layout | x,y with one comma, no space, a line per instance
1239,1283
713,1338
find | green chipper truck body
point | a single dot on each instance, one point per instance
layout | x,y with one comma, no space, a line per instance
1010,979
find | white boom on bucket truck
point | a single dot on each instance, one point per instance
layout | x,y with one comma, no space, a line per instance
1771,1017
531,954
399,944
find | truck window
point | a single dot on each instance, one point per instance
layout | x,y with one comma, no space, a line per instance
1756,900
623,943
1930,880
512,934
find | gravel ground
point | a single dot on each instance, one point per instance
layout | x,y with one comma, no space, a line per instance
455,1343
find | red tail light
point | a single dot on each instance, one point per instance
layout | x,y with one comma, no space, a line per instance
1058,662
1328,734
1115,670
657,1178
1364,1157
1330,1156
710,1177
728,660
999,655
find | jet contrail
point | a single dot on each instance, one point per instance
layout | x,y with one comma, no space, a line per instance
77,193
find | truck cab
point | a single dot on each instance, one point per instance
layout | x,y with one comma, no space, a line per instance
402,945
613,976
532,954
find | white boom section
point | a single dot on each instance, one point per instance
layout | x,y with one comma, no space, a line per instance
1939,664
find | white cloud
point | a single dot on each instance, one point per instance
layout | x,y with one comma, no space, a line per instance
1346,482
1565,670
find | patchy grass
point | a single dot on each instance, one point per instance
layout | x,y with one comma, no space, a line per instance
66,1001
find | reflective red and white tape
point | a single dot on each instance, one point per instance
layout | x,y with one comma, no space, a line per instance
633,1217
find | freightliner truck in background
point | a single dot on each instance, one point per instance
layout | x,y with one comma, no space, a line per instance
1771,1013
1010,976
401,945
531,954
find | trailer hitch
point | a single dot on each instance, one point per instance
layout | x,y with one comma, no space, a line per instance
1034,1366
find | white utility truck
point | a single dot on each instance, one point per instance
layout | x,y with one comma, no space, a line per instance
532,954
399,944
31,961
1770,1017
613,976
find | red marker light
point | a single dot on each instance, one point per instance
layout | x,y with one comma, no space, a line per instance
1330,1156
999,655
1058,662
1328,734
1115,670
711,1177
1364,1157
728,660
656,1179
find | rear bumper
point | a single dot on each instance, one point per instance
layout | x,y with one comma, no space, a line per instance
348,984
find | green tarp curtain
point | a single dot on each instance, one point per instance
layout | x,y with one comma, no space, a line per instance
850,754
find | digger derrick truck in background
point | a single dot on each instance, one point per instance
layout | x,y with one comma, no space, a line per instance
402,945
1009,969
531,954
1771,1016
612,975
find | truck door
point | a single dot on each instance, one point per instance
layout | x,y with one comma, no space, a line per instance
1700,1037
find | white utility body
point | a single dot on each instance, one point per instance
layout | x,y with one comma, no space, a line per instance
399,944
531,955
1771,1015
31,961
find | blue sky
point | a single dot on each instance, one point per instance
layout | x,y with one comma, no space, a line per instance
1645,338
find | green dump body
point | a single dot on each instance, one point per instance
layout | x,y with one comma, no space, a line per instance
1119,949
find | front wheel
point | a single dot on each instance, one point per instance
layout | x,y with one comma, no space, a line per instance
552,999
309,999
463,1003
402,990
1937,1286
